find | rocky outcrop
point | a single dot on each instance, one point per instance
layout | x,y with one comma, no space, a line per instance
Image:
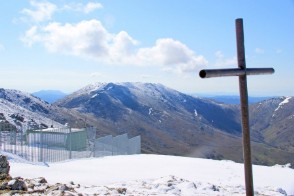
4,168
36,186
7,183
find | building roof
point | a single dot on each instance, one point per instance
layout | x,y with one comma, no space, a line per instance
59,130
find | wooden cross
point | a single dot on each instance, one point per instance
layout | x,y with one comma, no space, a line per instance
242,72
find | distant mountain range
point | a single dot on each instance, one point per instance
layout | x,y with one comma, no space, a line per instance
49,96
234,99
52,96
169,121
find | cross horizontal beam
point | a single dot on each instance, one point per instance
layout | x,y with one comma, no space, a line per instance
210,73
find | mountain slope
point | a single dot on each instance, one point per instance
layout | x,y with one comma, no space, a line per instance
273,122
170,122
152,101
20,109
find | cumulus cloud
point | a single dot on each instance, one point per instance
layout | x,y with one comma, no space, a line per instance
41,11
90,39
31,36
91,6
86,8
172,55
222,61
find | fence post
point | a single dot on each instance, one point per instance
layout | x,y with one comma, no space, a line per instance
14,141
70,155
41,146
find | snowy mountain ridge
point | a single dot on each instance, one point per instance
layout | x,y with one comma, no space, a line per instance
22,99
21,117
22,110
171,122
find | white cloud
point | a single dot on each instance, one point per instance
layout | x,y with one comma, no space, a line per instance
91,6
86,8
221,61
259,51
41,11
172,55
91,39
87,38
31,36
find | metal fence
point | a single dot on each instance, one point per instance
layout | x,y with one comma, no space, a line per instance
53,145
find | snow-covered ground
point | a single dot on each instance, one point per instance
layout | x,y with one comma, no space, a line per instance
158,175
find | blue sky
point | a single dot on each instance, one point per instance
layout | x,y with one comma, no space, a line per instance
66,45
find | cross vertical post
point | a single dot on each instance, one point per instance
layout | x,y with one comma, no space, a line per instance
242,73
244,108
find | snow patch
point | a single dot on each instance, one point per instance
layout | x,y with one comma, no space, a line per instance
195,112
286,100
94,96
109,88
288,165
150,111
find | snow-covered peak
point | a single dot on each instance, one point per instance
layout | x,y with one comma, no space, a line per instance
286,100
90,88
17,96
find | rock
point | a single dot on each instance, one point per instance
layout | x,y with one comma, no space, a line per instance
64,187
282,191
122,190
41,180
36,186
3,176
51,189
17,184
215,188
4,186
4,167
31,186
